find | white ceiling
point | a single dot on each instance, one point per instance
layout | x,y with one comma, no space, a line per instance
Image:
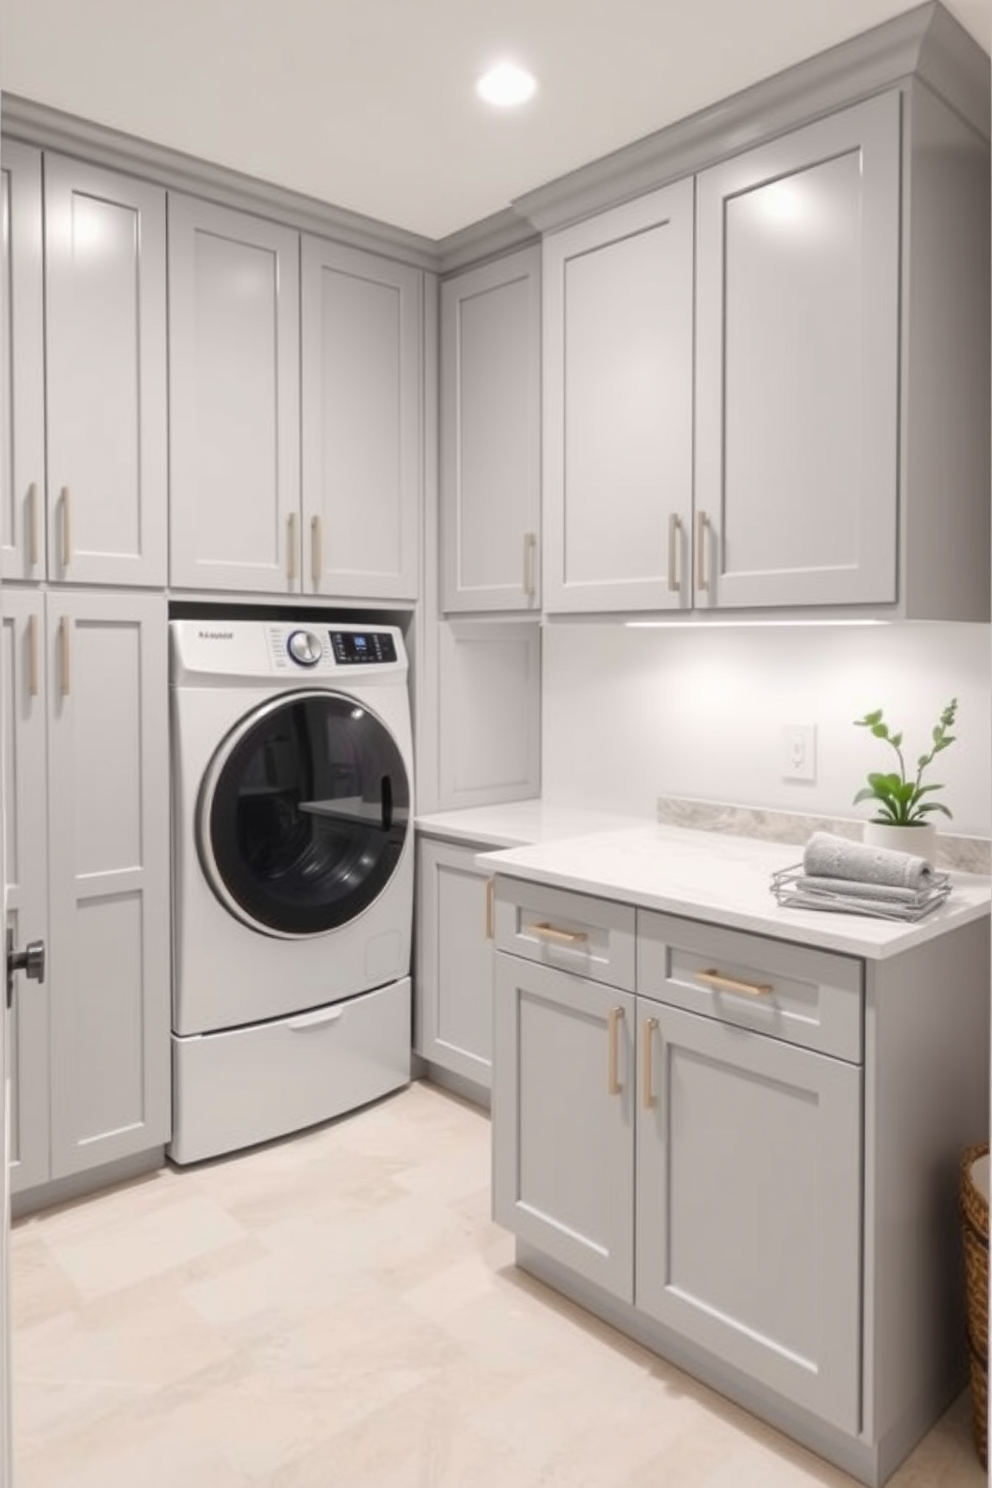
369,104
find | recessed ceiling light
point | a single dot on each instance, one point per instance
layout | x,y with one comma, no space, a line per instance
506,85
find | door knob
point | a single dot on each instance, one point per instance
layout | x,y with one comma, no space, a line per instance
31,961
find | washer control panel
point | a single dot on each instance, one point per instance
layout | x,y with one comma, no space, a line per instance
322,649
304,647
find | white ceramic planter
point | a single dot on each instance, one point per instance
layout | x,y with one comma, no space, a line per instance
921,840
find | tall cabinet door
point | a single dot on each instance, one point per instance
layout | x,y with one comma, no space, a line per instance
234,439
106,379
22,367
563,1115
491,435
362,416
22,668
108,876
749,1204
797,387
618,406
454,981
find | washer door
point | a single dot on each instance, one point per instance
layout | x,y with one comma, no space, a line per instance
303,814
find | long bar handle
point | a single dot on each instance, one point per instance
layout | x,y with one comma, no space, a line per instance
490,909
702,537
33,524
316,549
32,655
647,1032
65,656
66,514
530,546
715,978
613,1021
674,546
292,548
564,937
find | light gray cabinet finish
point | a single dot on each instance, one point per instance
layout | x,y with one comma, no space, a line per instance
105,376
454,984
22,668
618,356
491,435
749,1204
563,1114
108,877
577,933
234,336
22,367
362,415
797,367
487,725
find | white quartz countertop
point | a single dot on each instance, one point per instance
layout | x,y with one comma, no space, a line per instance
725,880
521,823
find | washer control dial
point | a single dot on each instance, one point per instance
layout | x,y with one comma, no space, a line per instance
304,647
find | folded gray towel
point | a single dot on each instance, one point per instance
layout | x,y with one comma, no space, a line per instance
886,893
827,856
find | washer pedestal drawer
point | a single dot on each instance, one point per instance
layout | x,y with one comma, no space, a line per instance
247,1085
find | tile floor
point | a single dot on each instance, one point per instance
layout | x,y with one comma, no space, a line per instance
338,1311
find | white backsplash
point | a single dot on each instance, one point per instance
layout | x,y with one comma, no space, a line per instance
697,713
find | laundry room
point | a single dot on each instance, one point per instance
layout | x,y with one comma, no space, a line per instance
486,494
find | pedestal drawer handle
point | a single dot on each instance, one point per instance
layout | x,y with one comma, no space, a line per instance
613,1021
732,984
564,937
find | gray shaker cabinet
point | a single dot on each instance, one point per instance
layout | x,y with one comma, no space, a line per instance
491,435
362,417
234,335
109,980
105,337
22,366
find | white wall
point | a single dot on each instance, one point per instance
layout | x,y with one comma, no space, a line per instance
630,715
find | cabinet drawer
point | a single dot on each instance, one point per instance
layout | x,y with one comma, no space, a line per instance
575,932
791,992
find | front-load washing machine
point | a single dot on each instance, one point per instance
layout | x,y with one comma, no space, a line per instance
292,876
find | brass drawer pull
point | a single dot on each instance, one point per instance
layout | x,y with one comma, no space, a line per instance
647,1032
66,528
32,655
530,543
490,908
33,524
613,1022
563,937
292,548
733,984
674,544
316,550
65,628
702,537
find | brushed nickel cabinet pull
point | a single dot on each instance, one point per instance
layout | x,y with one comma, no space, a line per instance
565,937
714,978
490,908
66,527
647,1032
530,545
702,534
32,655
613,1022
33,524
292,548
674,544
64,654
316,549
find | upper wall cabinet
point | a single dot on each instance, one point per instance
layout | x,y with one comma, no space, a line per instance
22,367
362,415
234,316
491,435
105,376
618,405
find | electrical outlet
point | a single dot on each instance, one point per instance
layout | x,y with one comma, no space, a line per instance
799,751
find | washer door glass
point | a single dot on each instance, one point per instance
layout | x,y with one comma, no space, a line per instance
303,814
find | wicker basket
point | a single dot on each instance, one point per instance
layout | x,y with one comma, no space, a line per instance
975,1235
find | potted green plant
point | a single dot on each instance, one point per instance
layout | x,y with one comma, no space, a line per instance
904,805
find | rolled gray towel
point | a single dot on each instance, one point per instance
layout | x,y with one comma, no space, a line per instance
827,856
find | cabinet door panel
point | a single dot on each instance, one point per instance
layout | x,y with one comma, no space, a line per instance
749,1205
106,379
109,878
22,668
234,400
22,367
361,422
797,364
489,711
455,962
618,358
490,435
563,1169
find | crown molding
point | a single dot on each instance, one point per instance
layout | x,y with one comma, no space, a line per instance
487,239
